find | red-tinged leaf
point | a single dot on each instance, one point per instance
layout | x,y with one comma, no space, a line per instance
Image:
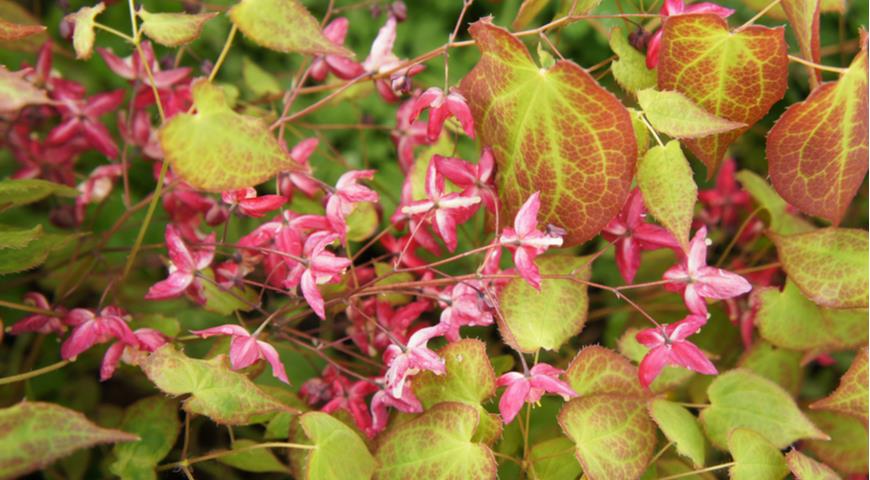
436,445
782,220
12,12
17,93
284,26
529,9
14,31
736,76
829,265
596,369
217,149
552,130
851,396
847,449
817,150
803,16
612,434
805,468
35,434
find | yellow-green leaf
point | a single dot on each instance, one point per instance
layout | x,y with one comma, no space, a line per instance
15,238
256,460
83,33
668,186
17,93
776,364
260,82
553,460
217,149
339,454
846,451
754,457
629,69
673,114
283,25
173,29
850,397
155,421
680,427
805,468
596,369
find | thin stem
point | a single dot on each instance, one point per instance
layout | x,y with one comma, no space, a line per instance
28,308
33,373
134,25
114,32
737,236
149,214
223,453
653,130
660,453
694,472
223,55
757,16
694,405
450,40
509,458
817,66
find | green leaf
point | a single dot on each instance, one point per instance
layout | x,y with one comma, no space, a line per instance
226,397
790,320
362,221
779,365
83,29
596,369
436,445
850,397
680,427
284,26
217,149
14,193
754,457
260,82
33,254
173,29
258,460
805,468
534,319
13,238
35,434
817,150
155,421
641,132
529,9
782,221
629,69
340,454
552,130
612,434
381,270
828,265
225,302
673,114
668,187
553,460
736,76
17,93
739,398
846,451
15,31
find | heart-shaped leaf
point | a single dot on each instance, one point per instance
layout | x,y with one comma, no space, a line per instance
778,365
534,319
552,130
668,187
737,76
217,149
553,460
846,451
83,29
673,114
680,427
596,369
17,93
817,150
740,398
754,457
829,265
851,396
35,434
436,445
155,421
805,468
283,25
613,435
226,397
339,454
173,29
256,460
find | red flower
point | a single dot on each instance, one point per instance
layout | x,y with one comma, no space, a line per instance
82,118
91,329
342,67
529,388
183,268
527,242
245,349
441,108
248,203
669,347
475,180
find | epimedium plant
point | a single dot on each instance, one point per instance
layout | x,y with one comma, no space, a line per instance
533,280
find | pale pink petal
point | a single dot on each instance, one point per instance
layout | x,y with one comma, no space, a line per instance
456,170
445,223
650,337
174,286
312,294
719,284
513,399
524,260
694,302
552,385
705,7
672,7
425,100
459,108
627,258
178,252
229,329
343,67
437,117
689,356
526,220
697,255
257,207
271,356
244,352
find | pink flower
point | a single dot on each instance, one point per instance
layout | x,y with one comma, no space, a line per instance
341,67
97,187
347,193
677,7
245,349
697,281
301,180
148,340
467,304
248,203
322,267
411,360
724,202
183,268
82,118
39,323
527,242
382,60
632,236
408,135
441,108
448,209
529,388
475,180
669,347
383,400
91,329
351,397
